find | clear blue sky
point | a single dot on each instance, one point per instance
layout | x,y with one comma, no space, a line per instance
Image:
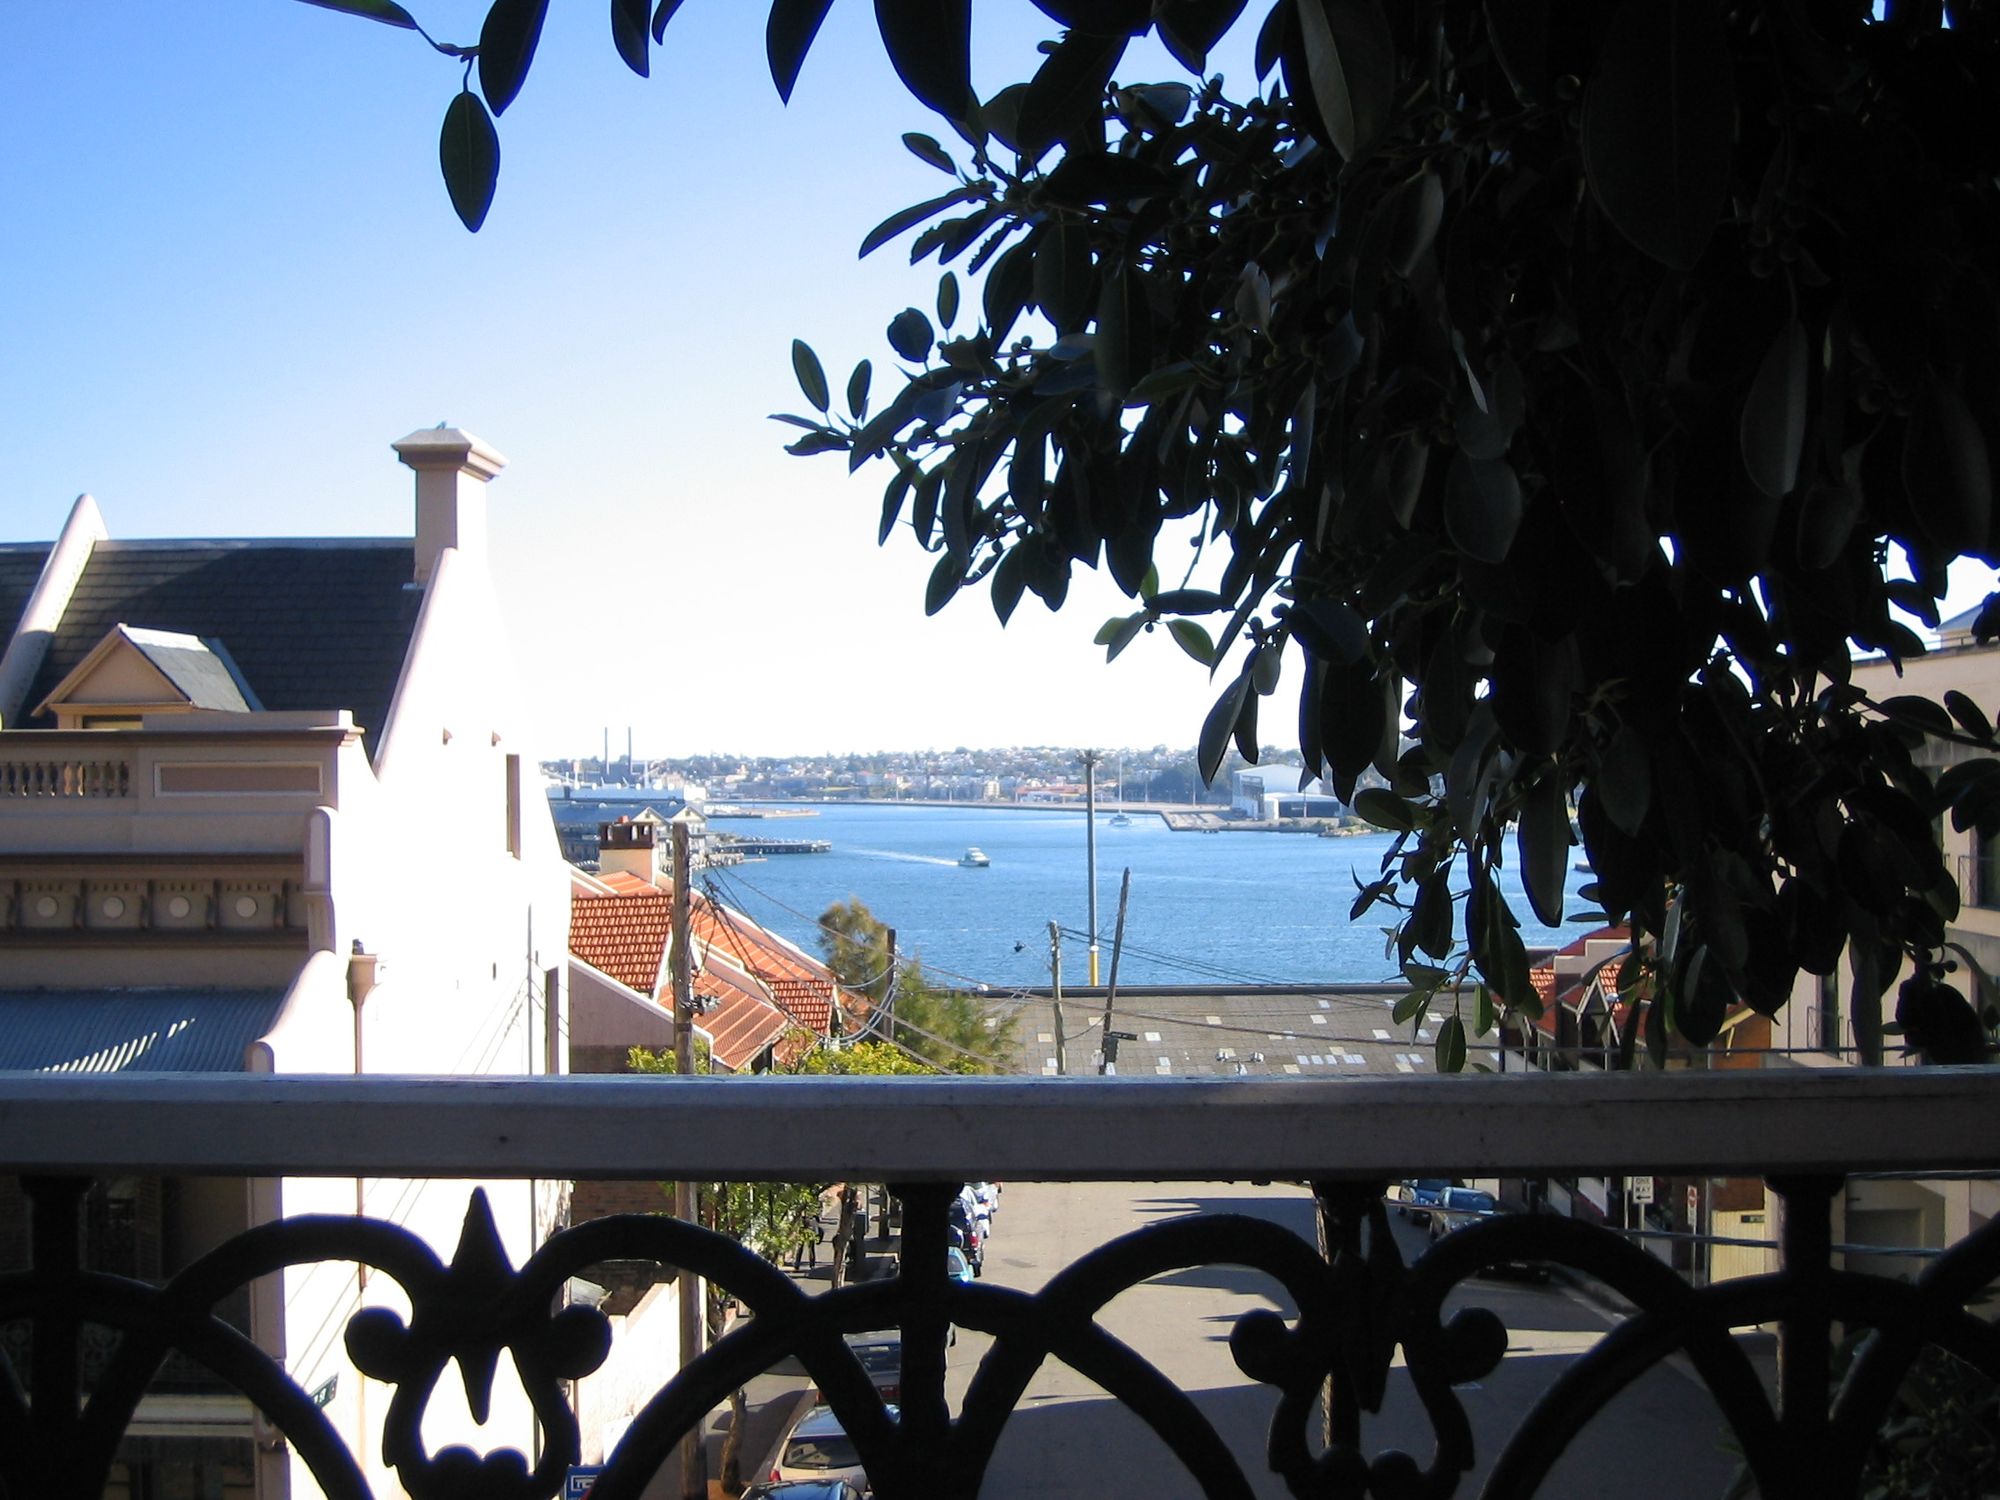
232,278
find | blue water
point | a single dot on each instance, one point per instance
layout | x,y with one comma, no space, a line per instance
1231,907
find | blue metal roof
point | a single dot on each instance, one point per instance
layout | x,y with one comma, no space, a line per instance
132,1030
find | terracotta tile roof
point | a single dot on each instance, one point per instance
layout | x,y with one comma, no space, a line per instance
623,935
741,1025
764,986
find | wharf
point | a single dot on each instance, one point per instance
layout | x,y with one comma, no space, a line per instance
762,848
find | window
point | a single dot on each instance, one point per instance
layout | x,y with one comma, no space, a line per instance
1985,872
1826,1013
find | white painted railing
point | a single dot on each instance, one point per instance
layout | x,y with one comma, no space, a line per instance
65,776
1725,1123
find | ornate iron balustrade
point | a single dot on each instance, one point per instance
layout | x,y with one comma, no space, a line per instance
1355,1305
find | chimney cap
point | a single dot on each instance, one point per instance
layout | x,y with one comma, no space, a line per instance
449,448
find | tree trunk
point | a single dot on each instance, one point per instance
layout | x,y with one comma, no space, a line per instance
732,1444
843,1235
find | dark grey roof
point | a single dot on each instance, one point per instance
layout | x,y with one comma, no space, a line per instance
20,565
132,1030
200,669
310,625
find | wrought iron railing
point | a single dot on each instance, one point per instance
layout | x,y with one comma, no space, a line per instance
1355,1301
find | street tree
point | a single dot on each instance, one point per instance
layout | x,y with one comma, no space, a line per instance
1572,383
951,1029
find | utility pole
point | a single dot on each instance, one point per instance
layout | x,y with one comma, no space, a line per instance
1108,1058
1055,994
694,1479
889,989
1090,762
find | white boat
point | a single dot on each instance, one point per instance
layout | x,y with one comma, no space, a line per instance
974,858
1120,820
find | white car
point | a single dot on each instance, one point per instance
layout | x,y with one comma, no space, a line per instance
818,1447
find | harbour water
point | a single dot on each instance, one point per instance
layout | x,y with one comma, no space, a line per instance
1225,908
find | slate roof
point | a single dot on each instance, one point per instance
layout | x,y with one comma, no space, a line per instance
201,670
309,625
20,565
132,1030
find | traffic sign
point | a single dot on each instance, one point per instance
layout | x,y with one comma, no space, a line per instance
1639,1189
1123,1036
579,1479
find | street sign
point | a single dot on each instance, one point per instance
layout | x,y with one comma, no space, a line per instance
1694,1204
1639,1189
579,1479
1123,1036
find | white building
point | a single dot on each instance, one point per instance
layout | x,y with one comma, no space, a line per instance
262,808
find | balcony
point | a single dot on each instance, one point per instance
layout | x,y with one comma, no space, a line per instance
1360,1317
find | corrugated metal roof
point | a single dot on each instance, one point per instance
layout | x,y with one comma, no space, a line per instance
132,1030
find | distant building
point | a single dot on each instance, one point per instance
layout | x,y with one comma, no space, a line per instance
1268,793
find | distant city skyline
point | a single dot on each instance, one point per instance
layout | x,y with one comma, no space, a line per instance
234,277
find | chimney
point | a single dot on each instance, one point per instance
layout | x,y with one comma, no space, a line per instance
629,847
452,468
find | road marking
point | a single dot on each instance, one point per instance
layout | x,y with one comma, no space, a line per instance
1381,1035
1319,1020
1152,1036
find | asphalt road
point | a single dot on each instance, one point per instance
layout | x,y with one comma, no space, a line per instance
1662,1437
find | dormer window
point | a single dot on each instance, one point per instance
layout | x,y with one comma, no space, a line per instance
134,671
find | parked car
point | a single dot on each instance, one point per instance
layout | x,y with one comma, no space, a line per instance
966,1234
818,1447
1416,1196
881,1355
803,1489
1457,1205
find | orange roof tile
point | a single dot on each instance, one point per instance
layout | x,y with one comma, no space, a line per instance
624,936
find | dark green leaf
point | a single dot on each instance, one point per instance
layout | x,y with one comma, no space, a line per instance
1064,100
1946,471
1384,809
1219,726
1773,429
910,335
812,379
1008,286
929,44
1410,1006
1658,124
1167,381
1417,210
628,34
469,156
507,43
1545,843
1193,639
1624,781
1922,713
1186,602
893,495
1970,716
788,36
1483,1018
1062,279
946,579
1519,30
1482,507
947,300
663,14
1450,1046
385,11
926,149
1120,631
903,219
857,391
1189,28
1246,725
1351,61
1010,577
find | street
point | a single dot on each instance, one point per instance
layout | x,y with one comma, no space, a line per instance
1066,1438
